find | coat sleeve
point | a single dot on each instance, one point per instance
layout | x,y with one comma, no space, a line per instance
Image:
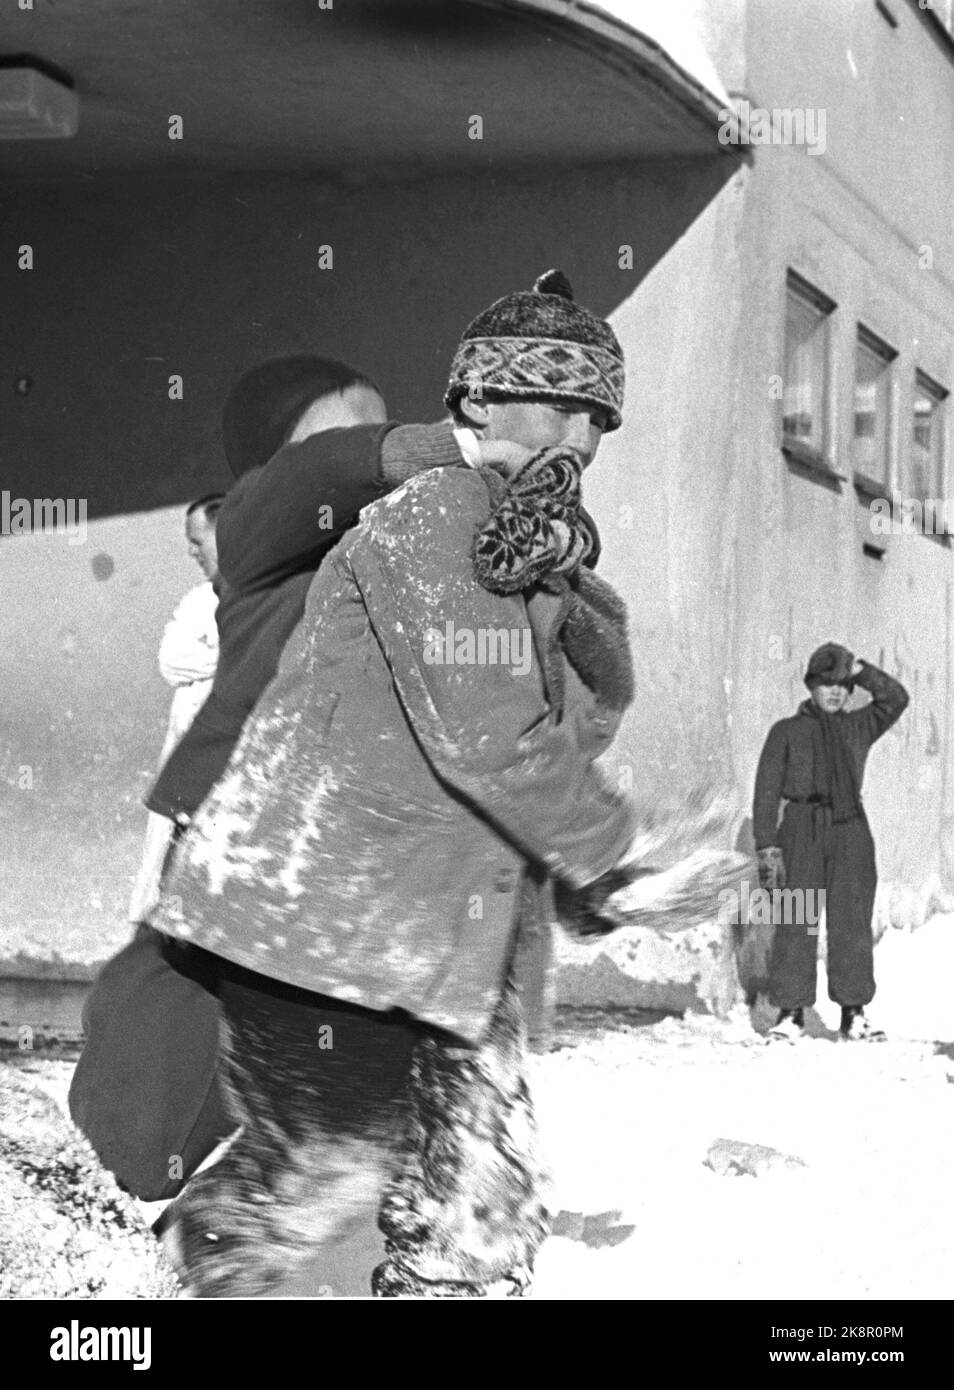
769,778
280,519
189,648
283,518
889,700
486,728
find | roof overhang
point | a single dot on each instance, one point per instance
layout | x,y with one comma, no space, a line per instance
656,40
366,89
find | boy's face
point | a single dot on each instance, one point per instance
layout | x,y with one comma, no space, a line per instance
539,424
830,698
200,535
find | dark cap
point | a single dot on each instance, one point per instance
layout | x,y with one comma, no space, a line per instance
831,664
265,404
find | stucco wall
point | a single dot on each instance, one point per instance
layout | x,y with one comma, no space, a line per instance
738,566
856,221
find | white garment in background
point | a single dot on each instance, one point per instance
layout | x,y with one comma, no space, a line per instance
188,654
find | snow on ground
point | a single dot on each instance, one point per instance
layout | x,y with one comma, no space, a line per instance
628,1113
629,1105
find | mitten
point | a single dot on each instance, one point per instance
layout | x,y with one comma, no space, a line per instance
580,910
771,868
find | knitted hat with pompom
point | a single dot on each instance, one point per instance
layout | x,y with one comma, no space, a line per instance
539,344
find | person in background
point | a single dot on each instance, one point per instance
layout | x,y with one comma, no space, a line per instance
310,444
815,762
188,654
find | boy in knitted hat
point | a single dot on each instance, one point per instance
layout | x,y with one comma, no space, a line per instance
387,833
814,761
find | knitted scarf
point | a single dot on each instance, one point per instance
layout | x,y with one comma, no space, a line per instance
837,777
537,534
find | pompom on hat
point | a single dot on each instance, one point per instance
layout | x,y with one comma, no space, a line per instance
830,664
540,344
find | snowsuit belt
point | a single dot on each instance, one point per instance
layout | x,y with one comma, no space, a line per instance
819,805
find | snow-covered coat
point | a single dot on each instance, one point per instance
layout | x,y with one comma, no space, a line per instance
370,836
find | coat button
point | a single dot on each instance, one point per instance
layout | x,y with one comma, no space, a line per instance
505,882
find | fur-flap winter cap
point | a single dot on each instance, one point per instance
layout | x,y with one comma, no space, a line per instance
831,664
540,344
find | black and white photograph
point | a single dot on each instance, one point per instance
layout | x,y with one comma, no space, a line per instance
477,664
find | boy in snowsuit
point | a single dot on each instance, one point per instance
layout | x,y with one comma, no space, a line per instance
815,762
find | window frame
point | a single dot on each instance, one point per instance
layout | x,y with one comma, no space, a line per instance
808,457
929,385
865,483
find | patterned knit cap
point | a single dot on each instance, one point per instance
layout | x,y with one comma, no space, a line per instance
539,344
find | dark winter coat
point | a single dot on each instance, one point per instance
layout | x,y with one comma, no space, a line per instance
369,836
791,760
275,527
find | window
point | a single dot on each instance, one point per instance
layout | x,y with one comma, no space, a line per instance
927,456
870,441
942,11
806,367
